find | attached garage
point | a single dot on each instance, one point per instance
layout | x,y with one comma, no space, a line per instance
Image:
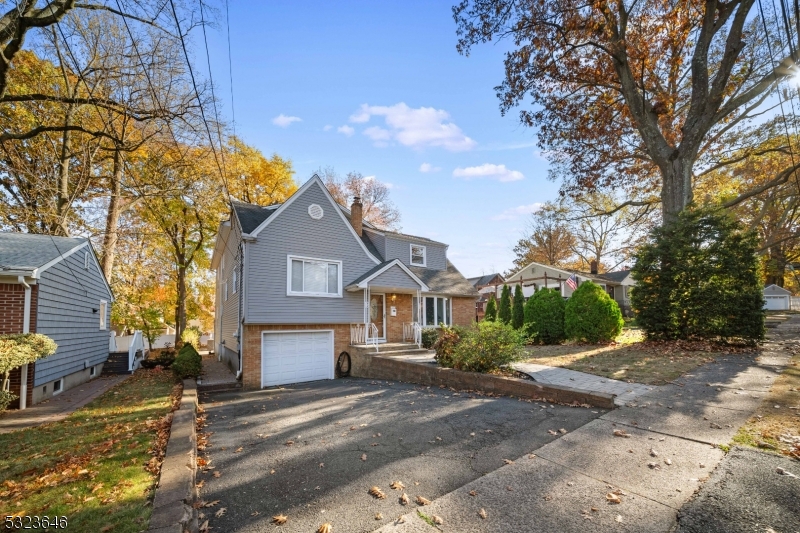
296,356
777,298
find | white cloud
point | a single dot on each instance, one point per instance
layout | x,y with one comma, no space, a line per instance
327,127
516,212
346,130
488,170
427,167
285,121
417,128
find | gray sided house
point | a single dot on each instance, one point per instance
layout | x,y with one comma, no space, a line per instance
54,286
299,282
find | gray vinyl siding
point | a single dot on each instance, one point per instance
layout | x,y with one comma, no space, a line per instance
394,277
67,295
229,309
435,254
294,232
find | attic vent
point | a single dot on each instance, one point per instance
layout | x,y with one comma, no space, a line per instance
315,211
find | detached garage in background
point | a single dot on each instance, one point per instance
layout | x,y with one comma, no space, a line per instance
777,298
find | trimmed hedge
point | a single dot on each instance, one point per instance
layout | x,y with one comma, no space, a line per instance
429,336
591,315
487,346
188,363
699,277
544,316
490,314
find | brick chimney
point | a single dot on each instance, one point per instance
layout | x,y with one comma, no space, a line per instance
356,214
593,266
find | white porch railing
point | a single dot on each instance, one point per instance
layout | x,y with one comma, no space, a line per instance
364,334
412,332
136,345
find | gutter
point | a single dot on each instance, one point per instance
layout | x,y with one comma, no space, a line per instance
26,328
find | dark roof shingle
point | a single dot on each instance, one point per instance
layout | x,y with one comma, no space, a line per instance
448,281
28,251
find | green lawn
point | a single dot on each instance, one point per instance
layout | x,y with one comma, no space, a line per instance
97,467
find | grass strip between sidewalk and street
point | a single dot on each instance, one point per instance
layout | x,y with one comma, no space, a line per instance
99,466
775,425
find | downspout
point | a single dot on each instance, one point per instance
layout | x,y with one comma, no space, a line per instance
26,328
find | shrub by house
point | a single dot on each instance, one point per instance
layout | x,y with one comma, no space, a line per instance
591,315
544,316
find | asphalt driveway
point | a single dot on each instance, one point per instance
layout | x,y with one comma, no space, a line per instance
312,452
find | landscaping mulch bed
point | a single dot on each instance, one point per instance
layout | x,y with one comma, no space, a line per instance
99,466
633,359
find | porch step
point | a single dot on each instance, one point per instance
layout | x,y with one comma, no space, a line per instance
117,363
217,387
411,351
389,347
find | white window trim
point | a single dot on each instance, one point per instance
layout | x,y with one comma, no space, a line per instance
92,371
424,316
411,255
60,390
289,291
225,291
102,312
86,260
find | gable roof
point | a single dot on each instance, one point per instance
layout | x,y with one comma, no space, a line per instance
775,289
617,276
361,281
315,180
484,280
449,281
32,253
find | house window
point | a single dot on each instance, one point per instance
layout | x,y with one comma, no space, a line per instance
92,371
417,255
435,310
234,281
314,277
86,260
225,291
58,385
103,306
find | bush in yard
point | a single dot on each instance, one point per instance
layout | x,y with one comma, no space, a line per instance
491,309
487,346
163,358
445,345
17,350
544,316
518,308
429,336
591,315
188,363
504,310
191,335
699,277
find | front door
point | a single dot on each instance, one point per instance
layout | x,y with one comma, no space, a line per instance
377,313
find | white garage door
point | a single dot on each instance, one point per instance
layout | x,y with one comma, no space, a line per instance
776,303
292,357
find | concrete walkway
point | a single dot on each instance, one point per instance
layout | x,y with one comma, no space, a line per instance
58,407
668,448
216,375
563,377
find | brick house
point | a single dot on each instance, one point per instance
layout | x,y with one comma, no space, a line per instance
54,286
299,282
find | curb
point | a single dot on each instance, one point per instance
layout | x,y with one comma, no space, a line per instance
176,491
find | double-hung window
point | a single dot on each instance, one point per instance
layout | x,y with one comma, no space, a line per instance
314,277
435,310
417,255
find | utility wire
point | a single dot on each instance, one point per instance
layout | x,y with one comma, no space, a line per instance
230,65
211,79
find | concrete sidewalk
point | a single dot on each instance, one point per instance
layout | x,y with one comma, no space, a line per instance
58,407
668,451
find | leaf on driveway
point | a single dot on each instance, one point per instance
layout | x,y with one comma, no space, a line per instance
363,457
378,516
217,473
289,442
473,493
613,498
508,461
280,519
482,513
325,528
562,431
204,527
618,518
404,499
654,466
210,504
422,501
397,485
621,433
237,450
552,432
437,520
653,453
667,461
377,493
220,512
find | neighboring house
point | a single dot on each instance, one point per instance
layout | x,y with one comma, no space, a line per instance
486,285
299,282
535,276
54,286
777,298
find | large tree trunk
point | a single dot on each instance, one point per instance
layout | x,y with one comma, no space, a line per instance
676,190
180,304
112,218
59,226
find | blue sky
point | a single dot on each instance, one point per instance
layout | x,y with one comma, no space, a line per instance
378,88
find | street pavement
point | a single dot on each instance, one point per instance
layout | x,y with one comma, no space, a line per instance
431,439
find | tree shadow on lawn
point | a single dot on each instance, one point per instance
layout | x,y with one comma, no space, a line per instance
432,440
